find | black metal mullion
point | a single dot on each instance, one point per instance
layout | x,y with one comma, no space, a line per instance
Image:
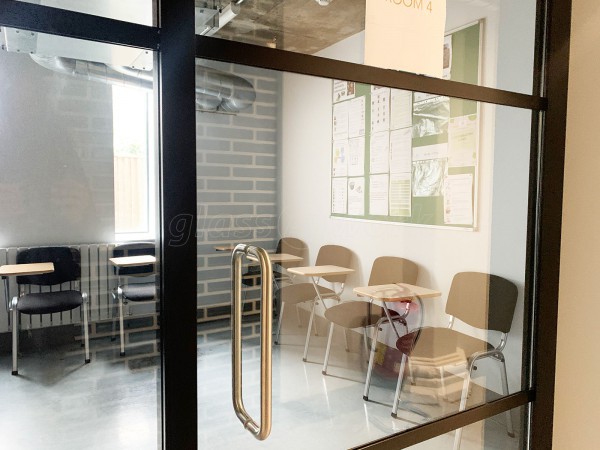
533,214
178,224
533,224
286,61
551,178
445,425
45,19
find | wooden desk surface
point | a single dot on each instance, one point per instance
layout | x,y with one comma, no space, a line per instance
320,271
284,257
274,257
224,248
26,269
279,258
128,261
395,292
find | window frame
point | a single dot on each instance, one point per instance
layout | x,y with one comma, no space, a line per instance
150,169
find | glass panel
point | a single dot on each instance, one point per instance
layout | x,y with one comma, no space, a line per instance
135,11
488,42
489,434
440,182
59,188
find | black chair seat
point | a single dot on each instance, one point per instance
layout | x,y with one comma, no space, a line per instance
49,302
139,292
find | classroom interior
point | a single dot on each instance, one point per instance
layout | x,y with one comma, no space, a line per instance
80,170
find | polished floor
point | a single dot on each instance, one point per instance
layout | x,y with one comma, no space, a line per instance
58,403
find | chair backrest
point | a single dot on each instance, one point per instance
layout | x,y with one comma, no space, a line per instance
67,265
135,249
292,246
482,300
334,255
392,269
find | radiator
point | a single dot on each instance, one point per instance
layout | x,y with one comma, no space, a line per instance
97,279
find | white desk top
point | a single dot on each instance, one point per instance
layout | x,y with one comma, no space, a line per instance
395,292
320,271
129,261
26,269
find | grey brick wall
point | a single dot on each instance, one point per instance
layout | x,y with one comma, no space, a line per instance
237,196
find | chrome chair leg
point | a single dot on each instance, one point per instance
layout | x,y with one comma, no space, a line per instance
328,349
399,387
346,340
371,360
463,403
279,322
86,334
15,340
310,324
114,316
121,327
298,315
509,423
82,325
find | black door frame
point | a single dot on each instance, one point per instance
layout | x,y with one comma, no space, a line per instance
176,48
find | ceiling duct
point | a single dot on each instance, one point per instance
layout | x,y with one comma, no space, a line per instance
95,71
235,93
215,90
211,15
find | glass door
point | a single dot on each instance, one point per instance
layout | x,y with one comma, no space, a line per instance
385,225
361,222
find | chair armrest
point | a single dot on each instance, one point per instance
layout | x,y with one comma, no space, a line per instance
13,303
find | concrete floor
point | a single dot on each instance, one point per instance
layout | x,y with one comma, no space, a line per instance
58,403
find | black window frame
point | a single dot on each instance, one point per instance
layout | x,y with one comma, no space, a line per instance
176,47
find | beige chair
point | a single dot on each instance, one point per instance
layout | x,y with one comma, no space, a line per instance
294,294
480,300
364,314
291,246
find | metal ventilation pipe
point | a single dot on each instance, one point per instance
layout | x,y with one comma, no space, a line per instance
235,93
94,71
215,90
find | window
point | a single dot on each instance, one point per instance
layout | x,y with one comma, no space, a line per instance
133,185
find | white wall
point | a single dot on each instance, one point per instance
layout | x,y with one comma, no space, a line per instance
499,243
577,408
56,170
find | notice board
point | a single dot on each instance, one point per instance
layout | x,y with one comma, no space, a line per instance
409,157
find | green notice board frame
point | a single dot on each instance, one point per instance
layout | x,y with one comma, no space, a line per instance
442,172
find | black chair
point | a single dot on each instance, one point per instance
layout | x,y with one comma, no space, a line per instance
127,289
67,269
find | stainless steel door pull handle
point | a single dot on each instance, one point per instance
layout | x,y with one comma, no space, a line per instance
259,431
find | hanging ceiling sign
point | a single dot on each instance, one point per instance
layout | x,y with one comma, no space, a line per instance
406,35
